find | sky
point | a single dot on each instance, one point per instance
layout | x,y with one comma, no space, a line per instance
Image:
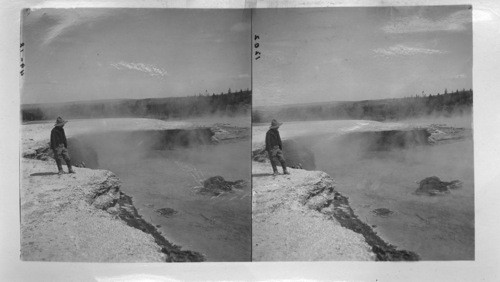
360,53
89,54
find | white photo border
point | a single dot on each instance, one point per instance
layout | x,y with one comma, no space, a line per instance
486,59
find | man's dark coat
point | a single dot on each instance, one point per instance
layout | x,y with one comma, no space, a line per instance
57,137
273,139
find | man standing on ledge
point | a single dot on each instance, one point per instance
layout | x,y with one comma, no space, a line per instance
274,147
59,145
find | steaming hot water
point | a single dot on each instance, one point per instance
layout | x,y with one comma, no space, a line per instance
435,227
218,227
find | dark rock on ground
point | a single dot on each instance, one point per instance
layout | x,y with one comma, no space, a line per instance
434,186
260,155
42,153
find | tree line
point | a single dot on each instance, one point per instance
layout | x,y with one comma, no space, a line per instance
446,104
223,104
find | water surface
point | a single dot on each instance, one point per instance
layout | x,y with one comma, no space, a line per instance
438,227
218,227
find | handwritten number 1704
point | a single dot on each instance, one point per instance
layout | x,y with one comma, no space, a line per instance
22,59
256,45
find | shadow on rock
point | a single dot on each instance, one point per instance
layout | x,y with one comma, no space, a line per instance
43,173
261,174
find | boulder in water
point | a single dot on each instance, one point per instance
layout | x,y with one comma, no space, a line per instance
217,185
382,212
166,212
433,186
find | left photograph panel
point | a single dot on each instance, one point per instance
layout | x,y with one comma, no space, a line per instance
135,135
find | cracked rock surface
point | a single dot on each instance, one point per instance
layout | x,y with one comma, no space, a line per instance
63,218
78,217
286,225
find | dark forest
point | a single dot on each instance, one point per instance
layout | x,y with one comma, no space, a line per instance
446,105
223,104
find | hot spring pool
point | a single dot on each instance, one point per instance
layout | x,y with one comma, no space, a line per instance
219,227
435,227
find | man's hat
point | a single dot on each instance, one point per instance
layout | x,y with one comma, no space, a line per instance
60,121
275,124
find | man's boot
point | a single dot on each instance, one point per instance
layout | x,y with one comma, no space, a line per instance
60,170
285,171
275,169
70,169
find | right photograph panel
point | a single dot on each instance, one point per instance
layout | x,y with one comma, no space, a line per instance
362,134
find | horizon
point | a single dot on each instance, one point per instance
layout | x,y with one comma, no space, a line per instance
360,53
88,53
354,101
122,99
237,91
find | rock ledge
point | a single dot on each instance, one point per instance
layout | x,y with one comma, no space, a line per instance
82,217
